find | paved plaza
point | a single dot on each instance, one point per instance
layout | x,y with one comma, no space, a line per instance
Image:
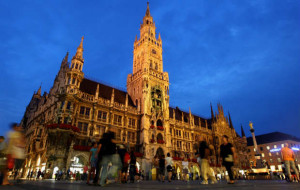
154,185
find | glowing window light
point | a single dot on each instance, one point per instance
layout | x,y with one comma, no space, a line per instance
279,149
275,149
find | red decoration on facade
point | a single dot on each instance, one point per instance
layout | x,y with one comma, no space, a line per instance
82,148
177,158
160,128
64,126
160,141
152,140
152,127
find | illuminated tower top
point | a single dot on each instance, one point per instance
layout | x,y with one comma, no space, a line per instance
147,48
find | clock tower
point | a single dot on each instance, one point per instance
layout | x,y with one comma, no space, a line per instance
148,86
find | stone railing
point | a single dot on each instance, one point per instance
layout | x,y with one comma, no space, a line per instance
118,105
104,101
85,96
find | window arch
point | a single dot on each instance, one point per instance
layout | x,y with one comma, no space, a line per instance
159,137
152,122
159,123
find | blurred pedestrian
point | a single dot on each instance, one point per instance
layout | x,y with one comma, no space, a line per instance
185,169
196,148
31,174
39,174
108,150
16,147
169,163
132,166
205,153
227,153
124,164
3,161
162,166
288,157
85,170
28,175
92,162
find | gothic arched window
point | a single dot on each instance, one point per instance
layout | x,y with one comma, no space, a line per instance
159,137
159,123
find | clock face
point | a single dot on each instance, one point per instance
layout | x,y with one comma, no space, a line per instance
153,51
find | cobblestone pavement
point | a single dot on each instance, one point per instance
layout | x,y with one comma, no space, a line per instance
154,185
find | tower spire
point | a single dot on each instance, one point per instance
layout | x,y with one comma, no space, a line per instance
39,92
212,112
243,133
66,57
148,10
80,50
230,122
65,60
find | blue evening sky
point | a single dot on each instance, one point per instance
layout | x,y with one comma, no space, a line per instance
243,54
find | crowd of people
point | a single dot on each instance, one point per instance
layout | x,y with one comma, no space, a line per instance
110,160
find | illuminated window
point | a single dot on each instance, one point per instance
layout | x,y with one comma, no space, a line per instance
85,111
262,155
282,145
270,154
268,147
131,123
275,146
102,116
254,149
279,167
118,119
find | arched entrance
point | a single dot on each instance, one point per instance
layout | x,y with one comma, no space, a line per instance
159,152
77,164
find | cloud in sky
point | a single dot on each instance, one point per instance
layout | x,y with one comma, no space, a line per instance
244,54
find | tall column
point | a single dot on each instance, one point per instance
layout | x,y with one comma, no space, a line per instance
259,163
69,157
253,137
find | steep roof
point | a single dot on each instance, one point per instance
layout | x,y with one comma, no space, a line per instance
105,91
271,137
178,116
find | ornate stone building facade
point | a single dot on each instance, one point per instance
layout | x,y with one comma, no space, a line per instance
60,125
